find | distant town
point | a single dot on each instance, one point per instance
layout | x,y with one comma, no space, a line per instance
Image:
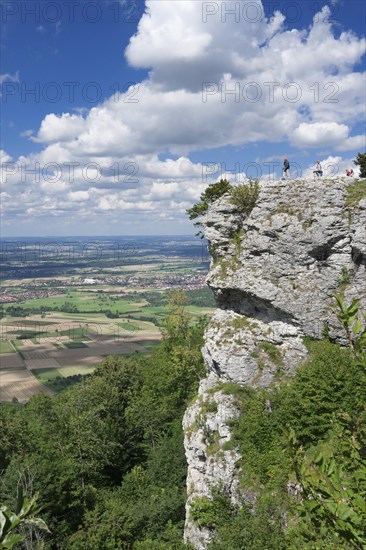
45,288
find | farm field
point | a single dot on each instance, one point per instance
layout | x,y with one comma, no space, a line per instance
84,301
62,319
6,347
57,328
19,384
64,347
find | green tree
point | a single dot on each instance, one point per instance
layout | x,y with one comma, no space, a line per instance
213,192
69,307
79,442
245,196
176,327
13,433
360,161
170,375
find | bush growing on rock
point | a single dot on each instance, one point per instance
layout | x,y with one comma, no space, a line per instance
244,197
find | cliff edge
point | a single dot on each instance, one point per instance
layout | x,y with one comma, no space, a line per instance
274,273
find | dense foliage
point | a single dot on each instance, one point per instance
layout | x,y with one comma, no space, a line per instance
106,456
303,449
243,196
12,524
213,192
360,161
201,297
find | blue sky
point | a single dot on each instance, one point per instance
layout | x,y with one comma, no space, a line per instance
116,114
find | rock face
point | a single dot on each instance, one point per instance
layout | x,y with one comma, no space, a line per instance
274,274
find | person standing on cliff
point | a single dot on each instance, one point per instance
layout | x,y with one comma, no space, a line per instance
286,169
318,169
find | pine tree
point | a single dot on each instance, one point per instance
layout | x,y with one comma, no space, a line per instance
360,161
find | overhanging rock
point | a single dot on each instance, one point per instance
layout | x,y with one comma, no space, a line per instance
274,274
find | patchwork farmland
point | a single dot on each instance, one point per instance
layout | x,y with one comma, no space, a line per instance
55,330
63,348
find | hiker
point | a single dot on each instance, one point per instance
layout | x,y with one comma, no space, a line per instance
286,168
318,169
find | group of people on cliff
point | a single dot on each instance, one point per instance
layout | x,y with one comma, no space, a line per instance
318,170
286,169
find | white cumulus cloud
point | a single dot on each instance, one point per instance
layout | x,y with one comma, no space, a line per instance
213,82
318,134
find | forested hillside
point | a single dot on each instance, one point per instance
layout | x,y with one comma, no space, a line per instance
106,456
107,459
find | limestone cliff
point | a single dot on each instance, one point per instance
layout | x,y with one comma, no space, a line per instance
274,273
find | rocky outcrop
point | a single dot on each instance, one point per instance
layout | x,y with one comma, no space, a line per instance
274,273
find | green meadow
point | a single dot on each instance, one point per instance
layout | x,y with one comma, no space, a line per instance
85,302
57,379
6,347
80,323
